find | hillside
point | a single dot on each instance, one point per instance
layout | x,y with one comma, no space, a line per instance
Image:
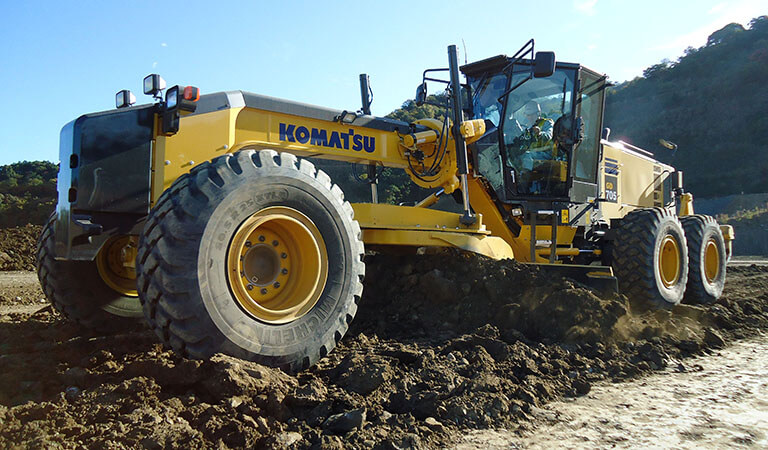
712,102
27,192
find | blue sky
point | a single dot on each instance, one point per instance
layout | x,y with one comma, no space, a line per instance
61,59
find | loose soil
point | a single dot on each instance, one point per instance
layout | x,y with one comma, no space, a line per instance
714,401
442,344
17,247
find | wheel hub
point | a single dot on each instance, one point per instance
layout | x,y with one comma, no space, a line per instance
711,261
116,263
669,261
277,265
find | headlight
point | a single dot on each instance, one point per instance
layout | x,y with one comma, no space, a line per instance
172,97
124,98
183,97
153,84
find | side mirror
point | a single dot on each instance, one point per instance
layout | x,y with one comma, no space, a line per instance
544,64
421,94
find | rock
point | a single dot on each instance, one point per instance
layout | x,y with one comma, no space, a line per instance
364,374
151,442
581,386
331,443
433,423
404,354
385,416
713,339
440,289
345,422
689,345
287,438
71,393
309,394
234,402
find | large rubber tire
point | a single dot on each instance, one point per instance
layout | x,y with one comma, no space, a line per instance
640,240
705,240
182,260
78,292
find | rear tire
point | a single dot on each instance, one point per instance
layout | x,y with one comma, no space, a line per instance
650,257
194,237
706,259
78,292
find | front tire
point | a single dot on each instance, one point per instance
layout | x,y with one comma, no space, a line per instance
256,255
706,259
77,290
650,257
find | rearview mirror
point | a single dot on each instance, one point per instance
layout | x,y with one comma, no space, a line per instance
421,94
544,64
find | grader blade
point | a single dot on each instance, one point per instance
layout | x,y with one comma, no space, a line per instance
600,278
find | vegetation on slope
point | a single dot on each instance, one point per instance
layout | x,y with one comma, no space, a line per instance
712,102
27,192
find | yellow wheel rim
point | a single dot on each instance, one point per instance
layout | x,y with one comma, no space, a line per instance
711,261
116,263
277,265
669,261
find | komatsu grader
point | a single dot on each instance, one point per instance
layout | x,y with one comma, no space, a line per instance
200,213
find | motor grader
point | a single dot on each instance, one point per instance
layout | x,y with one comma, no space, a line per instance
202,213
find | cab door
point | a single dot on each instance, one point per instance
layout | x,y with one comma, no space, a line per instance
590,102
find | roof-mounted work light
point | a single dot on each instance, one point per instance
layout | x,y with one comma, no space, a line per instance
124,99
153,84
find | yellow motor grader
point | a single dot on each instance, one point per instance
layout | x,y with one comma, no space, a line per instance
202,213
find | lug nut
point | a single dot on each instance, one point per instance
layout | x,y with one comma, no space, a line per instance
275,243
247,243
263,290
250,287
276,284
261,238
284,271
283,255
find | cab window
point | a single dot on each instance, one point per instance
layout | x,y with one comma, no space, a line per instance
585,155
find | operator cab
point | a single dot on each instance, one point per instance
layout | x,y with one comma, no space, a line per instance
533,149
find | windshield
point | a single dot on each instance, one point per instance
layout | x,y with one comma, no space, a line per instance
537,114
485,101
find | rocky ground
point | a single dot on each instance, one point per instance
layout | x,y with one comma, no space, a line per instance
442,344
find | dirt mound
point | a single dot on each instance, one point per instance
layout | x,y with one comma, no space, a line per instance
439,296
441,343
18,246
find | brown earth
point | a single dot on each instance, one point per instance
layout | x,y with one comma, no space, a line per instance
441,344
17,247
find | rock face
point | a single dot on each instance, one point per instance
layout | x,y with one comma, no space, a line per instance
416,369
